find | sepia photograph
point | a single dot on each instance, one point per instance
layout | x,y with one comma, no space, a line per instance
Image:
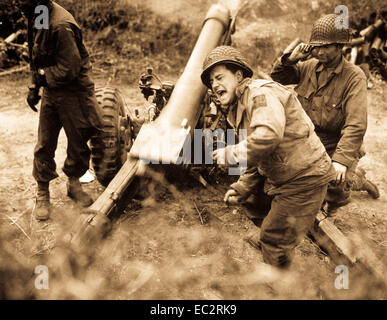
193,154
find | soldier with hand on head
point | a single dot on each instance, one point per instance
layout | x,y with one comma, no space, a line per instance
333,92
60,68
287,165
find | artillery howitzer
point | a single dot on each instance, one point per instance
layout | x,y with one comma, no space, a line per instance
128,140
122,124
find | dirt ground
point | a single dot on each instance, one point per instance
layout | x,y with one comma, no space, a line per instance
161,248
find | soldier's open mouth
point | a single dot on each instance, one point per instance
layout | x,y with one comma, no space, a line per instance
220,93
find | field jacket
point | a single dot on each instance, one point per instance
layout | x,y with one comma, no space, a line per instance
336,106
281,143
60,52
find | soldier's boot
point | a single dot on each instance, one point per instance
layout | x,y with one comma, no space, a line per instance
361,183
41,209
75,192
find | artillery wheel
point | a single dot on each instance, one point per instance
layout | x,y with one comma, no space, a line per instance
109,149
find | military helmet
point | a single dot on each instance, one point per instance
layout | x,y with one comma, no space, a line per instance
224,54
325,31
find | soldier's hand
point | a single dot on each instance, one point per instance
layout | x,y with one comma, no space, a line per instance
219,155
341,171
33,98
232,197
300,52
224,157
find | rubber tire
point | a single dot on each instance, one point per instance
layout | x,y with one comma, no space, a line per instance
109,149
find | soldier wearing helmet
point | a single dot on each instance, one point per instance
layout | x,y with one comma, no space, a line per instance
288,167
60,68
333,93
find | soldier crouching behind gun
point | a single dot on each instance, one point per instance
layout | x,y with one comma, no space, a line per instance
333,92
287,165
60,64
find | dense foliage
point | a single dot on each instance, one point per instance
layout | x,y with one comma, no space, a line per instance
10,18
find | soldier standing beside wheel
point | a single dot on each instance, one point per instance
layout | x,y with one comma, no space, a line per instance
286,161
333,93
60,64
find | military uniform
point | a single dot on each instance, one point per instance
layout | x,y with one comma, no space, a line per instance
285,158
68,99
60,64
288,169
336,102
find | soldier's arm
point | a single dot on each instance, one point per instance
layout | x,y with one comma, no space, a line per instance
247,182
286,72
267,121
68,59
289,68
35,82
355,125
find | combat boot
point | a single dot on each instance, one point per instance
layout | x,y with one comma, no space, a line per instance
41,209
360,183
75,192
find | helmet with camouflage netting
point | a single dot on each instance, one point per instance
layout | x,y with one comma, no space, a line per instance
224,55
329,30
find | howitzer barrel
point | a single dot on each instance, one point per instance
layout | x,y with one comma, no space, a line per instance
164,139
93,223
189,90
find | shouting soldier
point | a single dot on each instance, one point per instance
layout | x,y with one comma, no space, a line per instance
286,161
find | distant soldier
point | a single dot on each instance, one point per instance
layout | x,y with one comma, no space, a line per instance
287,163
60,64
333,92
